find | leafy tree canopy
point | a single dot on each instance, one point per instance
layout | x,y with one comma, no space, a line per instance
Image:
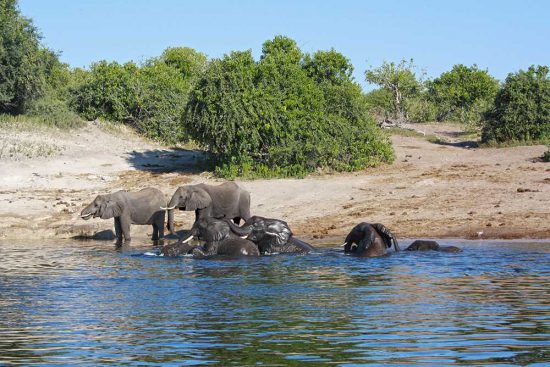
461,88
400,79
522,108
286,114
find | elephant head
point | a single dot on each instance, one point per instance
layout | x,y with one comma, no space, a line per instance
103,206
367,239
187,198
271,235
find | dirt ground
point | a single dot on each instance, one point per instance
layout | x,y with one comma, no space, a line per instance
449,188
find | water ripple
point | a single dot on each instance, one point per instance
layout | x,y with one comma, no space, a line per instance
84,303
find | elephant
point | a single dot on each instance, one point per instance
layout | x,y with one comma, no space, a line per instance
369,240
426,245
220,240
271,236
142,207
227,200
177,248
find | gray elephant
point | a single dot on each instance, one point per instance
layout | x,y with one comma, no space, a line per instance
227,200
142,207
271,236
220,240
369,240
427,245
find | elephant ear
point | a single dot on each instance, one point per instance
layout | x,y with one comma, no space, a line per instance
198,199
111,209
387,236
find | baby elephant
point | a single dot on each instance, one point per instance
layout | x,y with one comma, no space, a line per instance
142,207
426,245
271,236
368,240
219,239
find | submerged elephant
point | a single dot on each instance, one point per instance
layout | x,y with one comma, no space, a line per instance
427,245
368,240
142,207
271,236
227,200
220,240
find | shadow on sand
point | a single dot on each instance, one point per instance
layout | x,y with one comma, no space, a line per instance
167,160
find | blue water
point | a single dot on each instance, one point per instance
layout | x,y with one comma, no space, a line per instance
84,303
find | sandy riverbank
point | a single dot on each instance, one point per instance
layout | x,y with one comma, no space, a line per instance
444,189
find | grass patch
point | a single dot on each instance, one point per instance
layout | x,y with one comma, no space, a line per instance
414,134
25,149
514,143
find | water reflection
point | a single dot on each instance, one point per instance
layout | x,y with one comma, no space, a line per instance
68,303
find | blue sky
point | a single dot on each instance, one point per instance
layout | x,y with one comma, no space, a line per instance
502,36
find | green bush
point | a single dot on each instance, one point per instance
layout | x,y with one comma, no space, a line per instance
546,155
463,94
285,115
421,109
54,112
522,108
151,97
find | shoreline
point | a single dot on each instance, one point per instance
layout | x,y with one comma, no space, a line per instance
446,189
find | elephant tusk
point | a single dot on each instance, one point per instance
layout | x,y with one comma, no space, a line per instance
86,216
245,237
170,208
342,245
187,240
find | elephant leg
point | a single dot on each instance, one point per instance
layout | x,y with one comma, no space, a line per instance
155,236
125,225
160,226
118,231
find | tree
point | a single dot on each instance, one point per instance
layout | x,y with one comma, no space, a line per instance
399,79
285,115
186,60
522,108
23,62
460,90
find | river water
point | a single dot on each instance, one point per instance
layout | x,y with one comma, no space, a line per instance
84,303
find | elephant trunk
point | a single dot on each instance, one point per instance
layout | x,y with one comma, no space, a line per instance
87,212
396,245
243,231
171,207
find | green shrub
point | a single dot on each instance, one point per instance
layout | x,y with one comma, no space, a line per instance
151,97
463,94
285,115
546,155
420,109
54,112
522,108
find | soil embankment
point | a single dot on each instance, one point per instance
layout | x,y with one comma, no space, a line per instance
449,188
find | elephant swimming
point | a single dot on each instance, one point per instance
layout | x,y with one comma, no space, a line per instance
426,245
220,240
142,207
227,200
271,236
369,240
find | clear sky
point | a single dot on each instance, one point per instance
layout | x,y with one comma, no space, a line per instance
502,36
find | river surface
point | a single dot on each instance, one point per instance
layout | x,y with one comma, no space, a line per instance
84,303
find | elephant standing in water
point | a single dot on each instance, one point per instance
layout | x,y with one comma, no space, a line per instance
271,236
368,240
142,207
220,240
227,200
427,245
